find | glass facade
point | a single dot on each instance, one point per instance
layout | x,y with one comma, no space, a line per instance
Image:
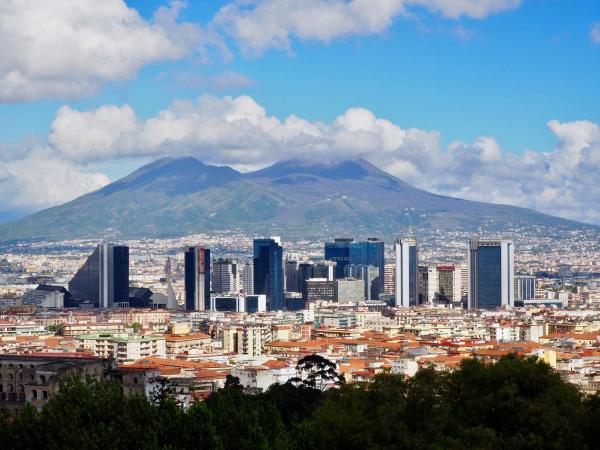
370,253
197,278
268,272
104,278
338,251
489,277
413,275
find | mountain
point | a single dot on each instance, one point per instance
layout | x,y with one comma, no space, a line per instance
295,198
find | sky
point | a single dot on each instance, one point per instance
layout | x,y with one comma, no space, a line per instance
492,100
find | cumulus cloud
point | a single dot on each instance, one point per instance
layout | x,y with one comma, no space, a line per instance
271,24
38,179
238,131
67,49
476,9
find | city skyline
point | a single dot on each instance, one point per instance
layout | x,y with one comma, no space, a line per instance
493,101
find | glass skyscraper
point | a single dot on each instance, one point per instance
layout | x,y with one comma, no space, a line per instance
197,278
268,271
369,253
491,273
104,278
338,251
407,272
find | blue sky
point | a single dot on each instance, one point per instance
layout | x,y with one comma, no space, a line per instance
501,72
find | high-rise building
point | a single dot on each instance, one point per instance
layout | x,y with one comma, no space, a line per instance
524,287
268,271
370,276
291,276
325,269
197,278
389,278
369,253
349,290
407,270
104,278
423,284
248,278
320,289
338,251
225,276
445,283
305,271
491,273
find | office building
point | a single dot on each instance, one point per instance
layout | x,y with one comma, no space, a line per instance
370,276
339,252
103,280
407,272
524,287
225,276
248,278
370,253
445,284
291,276
268,271
423,284
320,289
491,273
325,269
349,290
389,279
197,278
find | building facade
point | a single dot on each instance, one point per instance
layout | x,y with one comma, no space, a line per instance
268,271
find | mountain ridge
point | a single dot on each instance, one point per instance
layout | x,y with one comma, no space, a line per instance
177,196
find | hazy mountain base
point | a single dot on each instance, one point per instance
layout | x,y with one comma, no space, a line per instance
176,197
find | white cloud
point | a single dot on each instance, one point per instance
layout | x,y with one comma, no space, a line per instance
476,9
595,33
68,48
39,180
258,26
238,131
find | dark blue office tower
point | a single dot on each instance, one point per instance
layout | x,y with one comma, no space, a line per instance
104,278
197,278
268,272
369,253
338,251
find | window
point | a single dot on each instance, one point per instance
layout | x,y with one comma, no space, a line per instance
42,379
34,395
45,395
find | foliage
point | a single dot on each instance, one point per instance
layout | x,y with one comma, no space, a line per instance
136,327
517,403
56,328
318,372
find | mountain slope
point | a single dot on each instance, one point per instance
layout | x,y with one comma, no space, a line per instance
178,196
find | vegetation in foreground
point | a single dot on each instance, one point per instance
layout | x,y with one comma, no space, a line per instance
517,403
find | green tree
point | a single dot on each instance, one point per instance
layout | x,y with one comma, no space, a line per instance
318,372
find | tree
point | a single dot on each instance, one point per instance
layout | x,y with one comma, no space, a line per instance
56,328
136,327
317,372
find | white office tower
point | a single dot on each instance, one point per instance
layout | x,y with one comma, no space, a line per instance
248,278
407,270
491,264
225,276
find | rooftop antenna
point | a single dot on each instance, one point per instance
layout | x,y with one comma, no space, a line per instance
410,232
480,231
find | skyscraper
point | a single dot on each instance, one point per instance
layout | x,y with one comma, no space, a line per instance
407,272
248,278
268,271
225,276
104,278
491,273
524,287
291,276
338,251
370,253
370,276
197,278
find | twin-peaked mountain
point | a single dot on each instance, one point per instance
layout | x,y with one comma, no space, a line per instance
297,199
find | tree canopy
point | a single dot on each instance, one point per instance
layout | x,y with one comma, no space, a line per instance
517,403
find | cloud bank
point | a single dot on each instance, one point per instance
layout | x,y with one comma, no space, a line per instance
68,49
238,131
